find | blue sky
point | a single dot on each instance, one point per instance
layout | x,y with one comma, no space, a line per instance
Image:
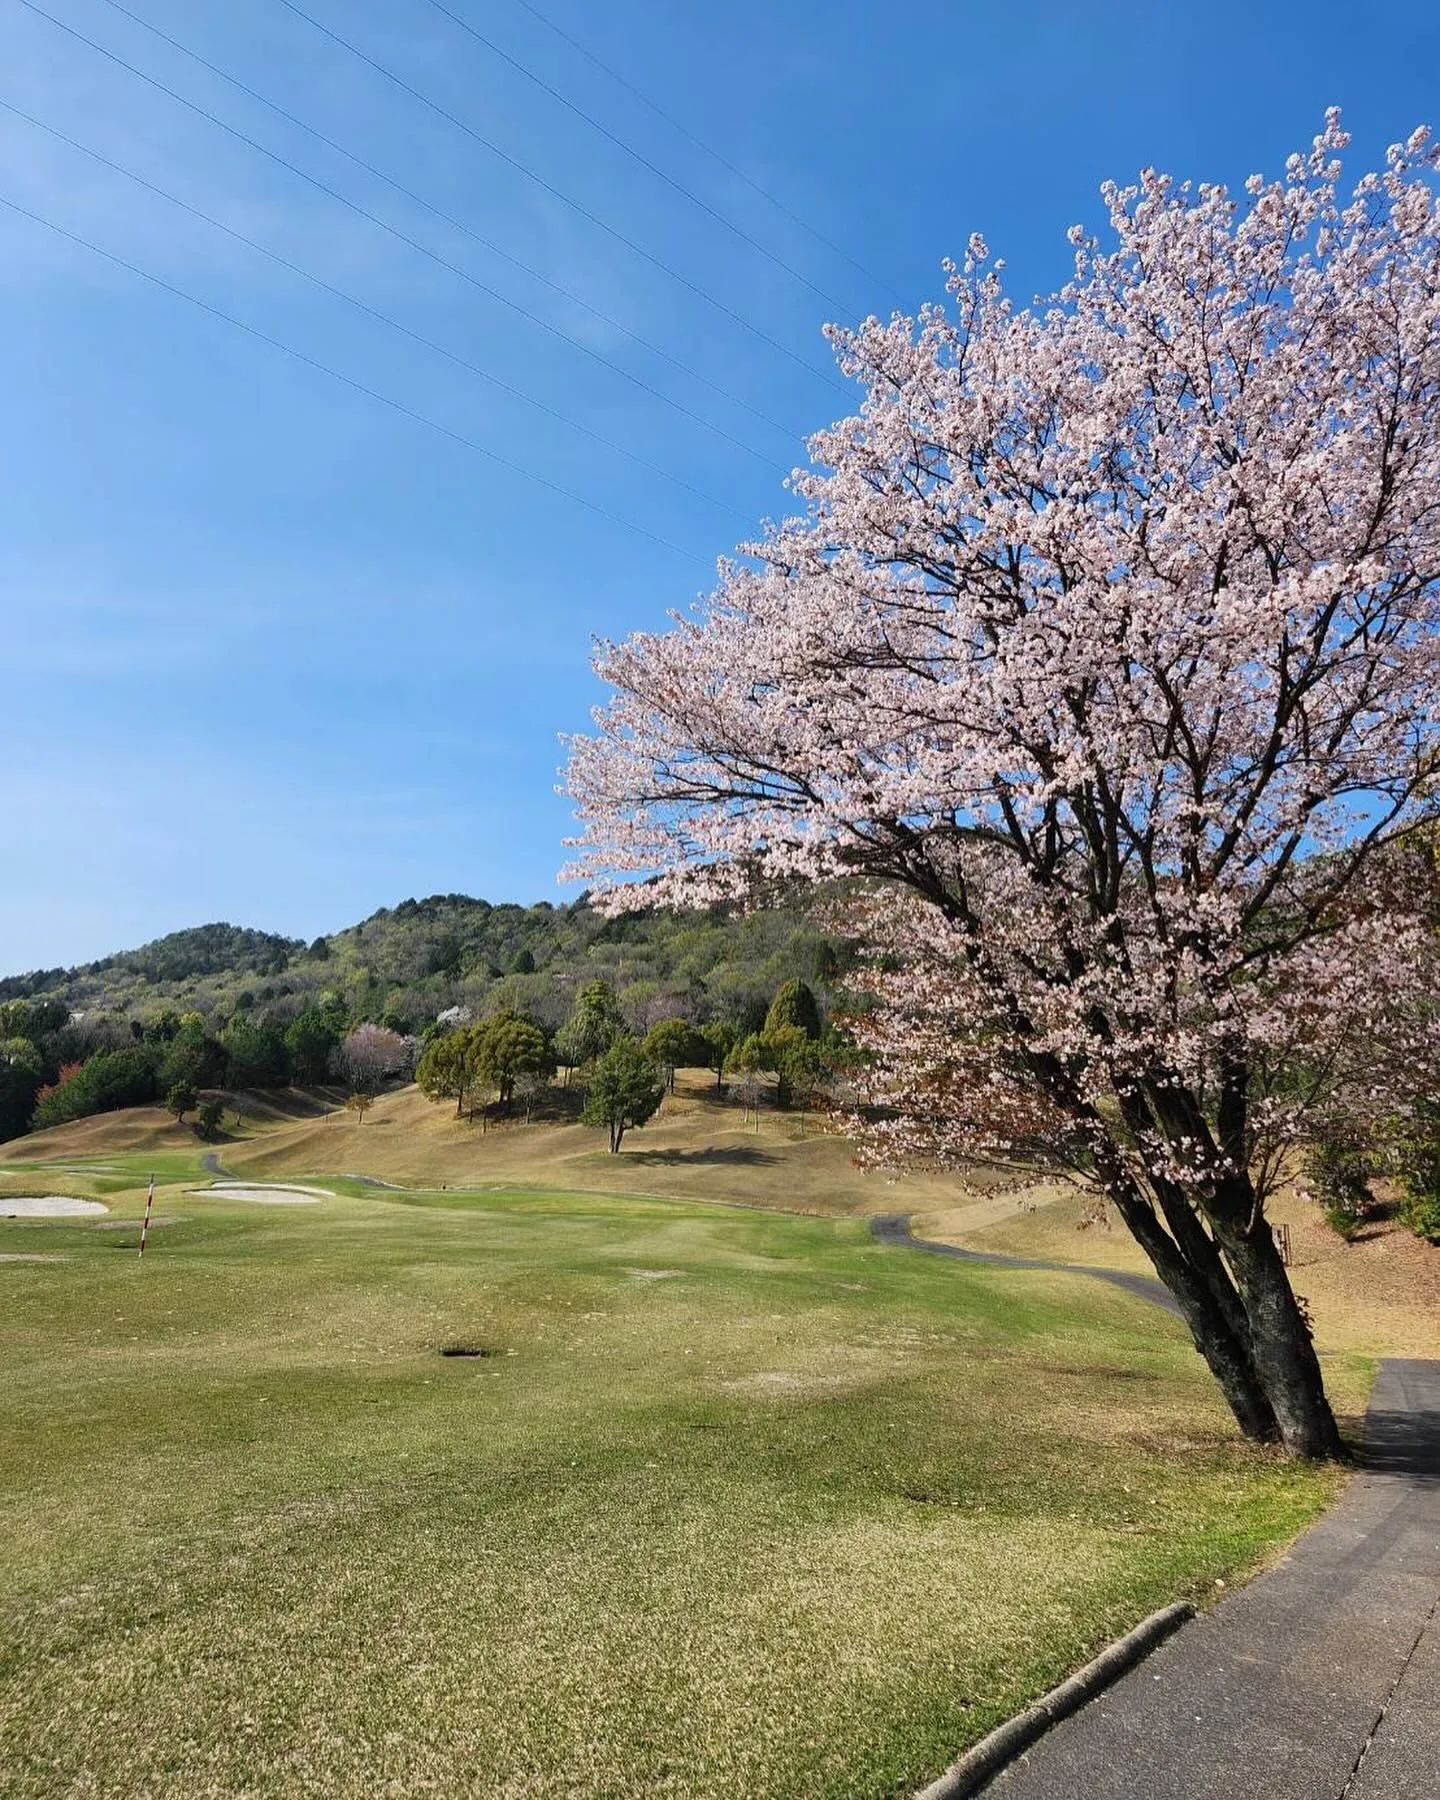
278,653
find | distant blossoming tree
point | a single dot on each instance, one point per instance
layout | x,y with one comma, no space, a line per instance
369,1057
1108,637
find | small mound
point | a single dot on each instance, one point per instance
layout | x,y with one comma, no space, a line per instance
47,1206
263,1193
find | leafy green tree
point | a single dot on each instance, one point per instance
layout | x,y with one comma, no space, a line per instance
799,1063
107,1081
193,1055
750,1055
506,1046
719,1038
446,1071
34,1020
181,1098
22,1069
794,1004
746,1063
625,1090
673,1044
207,1118
257,1053
594,1025
311,1039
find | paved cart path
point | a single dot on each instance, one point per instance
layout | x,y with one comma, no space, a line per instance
894,1228
1320,1680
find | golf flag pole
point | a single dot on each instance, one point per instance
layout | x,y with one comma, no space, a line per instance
149,1202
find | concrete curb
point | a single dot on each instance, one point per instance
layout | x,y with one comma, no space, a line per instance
1007,1741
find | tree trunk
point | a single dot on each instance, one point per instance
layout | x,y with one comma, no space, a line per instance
1227,1355
1281,1347
1249,1330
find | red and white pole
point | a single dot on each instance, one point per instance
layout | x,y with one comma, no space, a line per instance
149,1202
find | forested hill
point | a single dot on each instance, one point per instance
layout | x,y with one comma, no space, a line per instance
405,964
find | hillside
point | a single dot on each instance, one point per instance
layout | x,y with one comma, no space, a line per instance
409,962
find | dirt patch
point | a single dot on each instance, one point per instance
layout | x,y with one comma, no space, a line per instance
778,1382
48,1206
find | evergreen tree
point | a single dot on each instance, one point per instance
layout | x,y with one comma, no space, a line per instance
673,1044
624,1091
794,1004
506,1046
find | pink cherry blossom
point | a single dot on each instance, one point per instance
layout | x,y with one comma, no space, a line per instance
1103,649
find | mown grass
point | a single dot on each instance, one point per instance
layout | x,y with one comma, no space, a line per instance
738,1504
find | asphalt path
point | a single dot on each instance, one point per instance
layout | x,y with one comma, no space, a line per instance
894,1228
1320,1680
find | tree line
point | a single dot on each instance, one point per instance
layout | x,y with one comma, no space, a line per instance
509,1057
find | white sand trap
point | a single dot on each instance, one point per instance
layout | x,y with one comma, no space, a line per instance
47,1206
263,1194
29,1256
654,1274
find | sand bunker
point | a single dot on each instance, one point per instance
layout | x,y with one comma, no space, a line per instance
263,1194
29,1256
47,1206
654,1274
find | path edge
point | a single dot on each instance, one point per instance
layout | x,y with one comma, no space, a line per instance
982,1761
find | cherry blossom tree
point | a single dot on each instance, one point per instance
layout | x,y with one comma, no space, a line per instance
1104,652
369,1057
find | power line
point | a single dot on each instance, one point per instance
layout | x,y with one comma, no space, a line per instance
459,225
392,230
644,161
700,144
359,387
557,193
374,312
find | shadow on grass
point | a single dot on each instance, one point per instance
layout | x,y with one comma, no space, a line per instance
737,1156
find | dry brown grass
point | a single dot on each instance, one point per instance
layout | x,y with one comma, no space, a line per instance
1379,1295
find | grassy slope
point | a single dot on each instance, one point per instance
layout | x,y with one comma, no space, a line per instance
694,1149
744,1504
1379,1296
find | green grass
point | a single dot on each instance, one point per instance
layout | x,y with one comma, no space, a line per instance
802,1518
